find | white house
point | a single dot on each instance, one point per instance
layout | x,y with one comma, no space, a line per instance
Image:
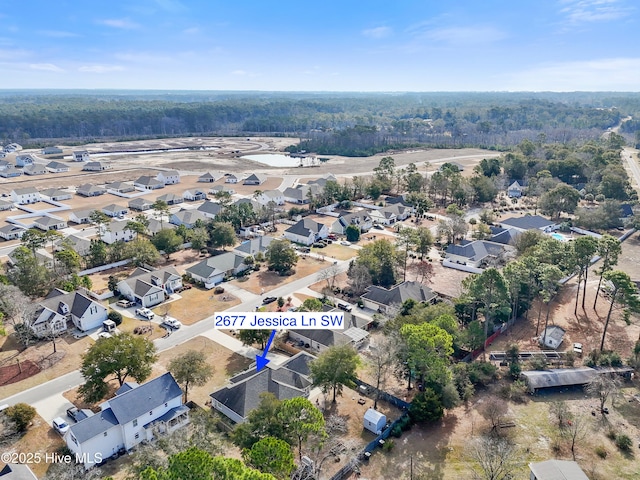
4,164
361,219
26,159
231,178
386,300
10,172
90,190
129,418
5,205
475,254
57,167
515,190
306,232
552,337
300,195
170,199
120,187
12,147
210,209
194,194
80,245
56,194
390,215
51,150
213,270
188,218
374,421
275,196
80,156
34,169
149,287
81,216
25,196
207,178
220,189
147,182
11,231
170,177
96,167
114,210
60,307
140,204
117,231
49,222
255,179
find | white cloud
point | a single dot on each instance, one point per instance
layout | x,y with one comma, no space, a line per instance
378,32
47,67
465,35
606,74
57,34
100,68
121,23
588,11
239,72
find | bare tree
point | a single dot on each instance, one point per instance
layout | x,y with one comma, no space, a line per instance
493,458
329,275
359,278
575,432
602,387
560,412
494,410
382,357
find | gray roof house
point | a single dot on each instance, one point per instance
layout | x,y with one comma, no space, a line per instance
386,300
361,219
96,166
113,210
208,178
527,222
57,167
155,225
188,218
51,150
210,209
11,231
170,198
34,169
194,194
254,245
80,245
556,470
242,395
515,190
552,337
140,204
149,287
213,270
147,182
81,216
255,179
475,254
306,231
56,194
25,196
120,187
60,307
5,205
131,417
49,222
10,171
89,190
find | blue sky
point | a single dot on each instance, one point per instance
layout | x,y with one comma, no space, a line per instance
347,45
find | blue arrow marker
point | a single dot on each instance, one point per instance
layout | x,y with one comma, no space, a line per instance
261,360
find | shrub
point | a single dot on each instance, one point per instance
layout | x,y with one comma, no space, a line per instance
396,431
538,363
601,451
623,442
514,370
21,414
482,373
116,317
218,290
388,445
611,434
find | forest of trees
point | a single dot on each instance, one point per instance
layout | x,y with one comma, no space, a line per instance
354,124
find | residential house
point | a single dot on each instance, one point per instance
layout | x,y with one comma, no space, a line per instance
10,172
147,182
26,159
388,300
552,337
80,156
506,236
43,257
361,219
255,179
194,195
300,195
218,189
17,471
289,380
515,190
57,167
49,222
129,418
213,270
149,287
120,187
81,216
12,147
80,245
170,199
256,206
11,231
56,194
390,215
307,231
140,204
528,222
169,177
210,209
117,231
207,178
556,470
90,190
51,151
5,205
231,178
25,196
155,225
5,164
254,246
60,307
322,181
475,254
113,210
34,169
188,218
96,167
275,196
353,333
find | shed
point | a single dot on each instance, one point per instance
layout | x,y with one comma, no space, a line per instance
109,326
552,336
374,421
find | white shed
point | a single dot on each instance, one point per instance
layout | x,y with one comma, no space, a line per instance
374,421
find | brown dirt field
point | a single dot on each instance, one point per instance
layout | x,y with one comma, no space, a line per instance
336,251
269,280
630,257
39,438
196,304
128,325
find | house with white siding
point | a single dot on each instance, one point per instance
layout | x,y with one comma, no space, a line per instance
5,205
81,216
140,204
11,231
194,194
170,199
306,232
49,222
231,178
57,167
25,196
387,300
10,172
213,270
116,231
80,156
26,159
59,308
255,179
390,215
149,287
113,210
133,416
96,167
210,209
120,187
361,219
170,177
12,147
51,150
34,169
188,218
207,178
56,194
275,196
90,190
147,182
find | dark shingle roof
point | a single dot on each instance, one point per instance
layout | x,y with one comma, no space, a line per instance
304,227
93,426
528,222
212,208
255,245
399,293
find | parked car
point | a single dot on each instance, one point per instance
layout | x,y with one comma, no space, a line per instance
60,426
145,312
269,300
72,412
125,303
319,245
345,243
104,335
378,227
345,306
332,236
305,249
172,322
